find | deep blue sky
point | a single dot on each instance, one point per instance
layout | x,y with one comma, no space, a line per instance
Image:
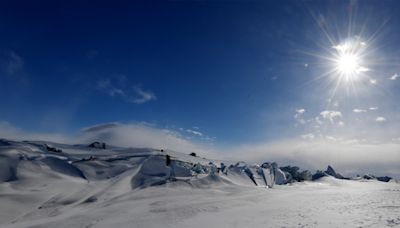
236,71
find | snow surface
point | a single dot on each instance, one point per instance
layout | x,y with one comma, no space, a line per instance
133,187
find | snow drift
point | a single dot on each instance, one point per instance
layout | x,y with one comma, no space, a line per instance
42,183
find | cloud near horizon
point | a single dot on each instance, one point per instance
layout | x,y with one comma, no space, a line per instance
348,157
380,119
119,134
308,151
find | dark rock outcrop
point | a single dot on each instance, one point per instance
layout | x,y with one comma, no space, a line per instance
4,143
98,145
328,172
52,149
318,175
294,174
331,172
384,179
368,177
291,172
305,176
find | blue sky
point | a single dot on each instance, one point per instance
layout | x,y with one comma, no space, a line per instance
211,72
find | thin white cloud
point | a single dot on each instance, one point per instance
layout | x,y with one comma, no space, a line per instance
331,138
331,115
135,95
357,110
336,104
8,131
362,69
309,136
318,120
373,108
346,155
372,81
108,87
380,119
141,135
299,115
393,77
143,96
198,133
340,47
14,64
318,153
100,127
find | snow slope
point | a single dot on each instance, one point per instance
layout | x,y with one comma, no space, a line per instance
131,187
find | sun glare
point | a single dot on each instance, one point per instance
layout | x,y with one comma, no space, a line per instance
348,61
348,64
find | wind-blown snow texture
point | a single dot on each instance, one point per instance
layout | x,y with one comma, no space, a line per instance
54,185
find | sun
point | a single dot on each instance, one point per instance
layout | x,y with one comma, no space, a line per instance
348,62
348,59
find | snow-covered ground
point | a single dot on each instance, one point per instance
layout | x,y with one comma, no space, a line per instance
127,187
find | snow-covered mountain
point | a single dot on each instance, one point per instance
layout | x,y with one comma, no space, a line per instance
44,184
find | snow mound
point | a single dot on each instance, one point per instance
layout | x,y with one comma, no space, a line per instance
146,167
45,184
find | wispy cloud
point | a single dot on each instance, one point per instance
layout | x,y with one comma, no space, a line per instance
393,77
135,94
380,119
299,115
142,96
139,135
142,135
193,132
356,110
317,153
300,111
331,115
311,151
373,108
106,86
13,63
8,131
309,136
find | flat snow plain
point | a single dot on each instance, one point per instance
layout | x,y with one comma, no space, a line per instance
40,192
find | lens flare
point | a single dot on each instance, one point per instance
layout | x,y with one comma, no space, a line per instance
348,61
347,64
